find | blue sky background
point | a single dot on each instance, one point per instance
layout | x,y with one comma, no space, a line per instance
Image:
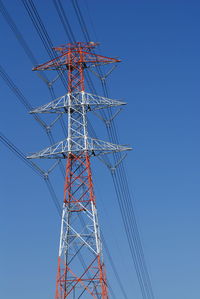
158,42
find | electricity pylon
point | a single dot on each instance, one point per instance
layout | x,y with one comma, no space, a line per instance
81,270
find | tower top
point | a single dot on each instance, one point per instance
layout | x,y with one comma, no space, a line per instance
76,46
78,54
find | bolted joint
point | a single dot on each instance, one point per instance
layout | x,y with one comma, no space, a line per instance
46,176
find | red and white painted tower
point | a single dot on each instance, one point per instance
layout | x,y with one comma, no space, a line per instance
81,270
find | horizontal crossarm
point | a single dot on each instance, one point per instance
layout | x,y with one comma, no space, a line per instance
94,146
92,102
88,59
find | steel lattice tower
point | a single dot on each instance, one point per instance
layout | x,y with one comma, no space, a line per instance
81,271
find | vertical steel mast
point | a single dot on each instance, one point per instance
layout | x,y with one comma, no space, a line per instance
81,271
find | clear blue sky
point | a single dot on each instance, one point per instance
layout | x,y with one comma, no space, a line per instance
159,44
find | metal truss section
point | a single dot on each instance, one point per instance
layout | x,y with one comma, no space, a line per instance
80,233
78,145
75,100
87,58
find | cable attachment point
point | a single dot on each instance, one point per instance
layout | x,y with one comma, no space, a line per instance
104,77
111,167
48,128
46,174
108,121
55,120
47,82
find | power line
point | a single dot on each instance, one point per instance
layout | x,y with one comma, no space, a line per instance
9,20
26,103
105,92
64,20
27,51
20,96
113,267
34,167
42,32
29,107
47,181
20,155
122,190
